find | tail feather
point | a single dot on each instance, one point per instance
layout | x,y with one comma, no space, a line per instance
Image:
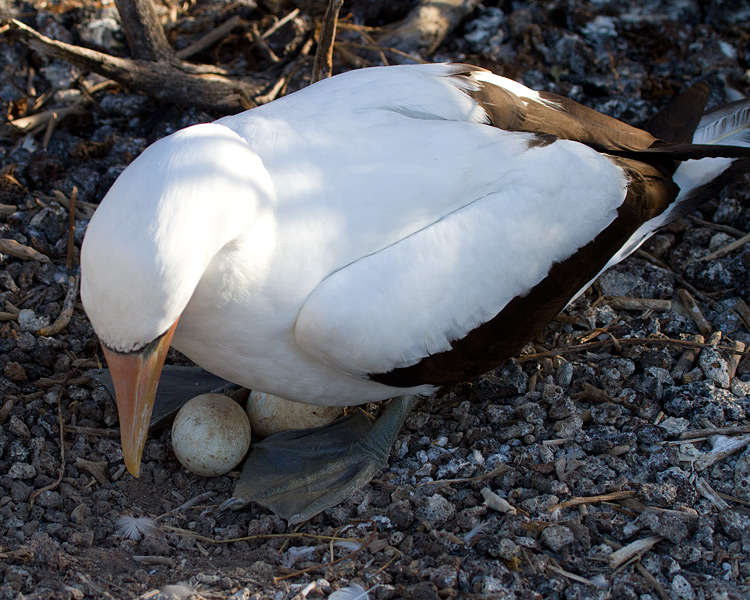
679,119
727,127
729,124
719,155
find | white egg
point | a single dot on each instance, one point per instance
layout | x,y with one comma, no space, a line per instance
270,414
210,435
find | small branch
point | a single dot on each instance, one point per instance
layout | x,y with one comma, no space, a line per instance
687,359
723,447
323,65
71,229
280,23
172,82
728,248
67,310
626,303
695,312
210,38
16,250
621,495
718,226
426,26
144,33
626,553
661,592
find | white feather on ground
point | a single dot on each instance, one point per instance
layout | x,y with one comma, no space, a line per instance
351,592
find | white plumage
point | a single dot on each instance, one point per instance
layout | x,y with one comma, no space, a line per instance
378,234
372,198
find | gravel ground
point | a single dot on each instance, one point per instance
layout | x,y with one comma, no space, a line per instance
606,462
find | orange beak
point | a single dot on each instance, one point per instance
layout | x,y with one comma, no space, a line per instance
135,376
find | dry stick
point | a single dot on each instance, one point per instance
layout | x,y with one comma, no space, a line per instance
71,228
652,581
728,248
279,24
626,553
289,70
718,226
262,536
154,560
389,49
37,122
594,499
83,210
210,38
733,360
143,31
368,39
678,278
731,498
323,65
710,494
497,471
202,86
724,448
93,431
687,359
16,250
426,26
626,303
67,310
72,294
556,568
700,433
50,128
695,312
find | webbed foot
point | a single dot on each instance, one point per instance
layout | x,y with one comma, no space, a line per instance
297,474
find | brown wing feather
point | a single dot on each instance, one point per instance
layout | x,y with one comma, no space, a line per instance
649,163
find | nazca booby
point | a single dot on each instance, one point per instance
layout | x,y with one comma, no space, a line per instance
377,235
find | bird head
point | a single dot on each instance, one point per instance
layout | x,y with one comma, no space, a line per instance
147,247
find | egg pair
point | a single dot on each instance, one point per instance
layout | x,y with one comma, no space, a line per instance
211,433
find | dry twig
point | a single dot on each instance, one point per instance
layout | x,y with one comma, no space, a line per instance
695,312
630,551
728,248
16,250
594,499
323,65
426,26
171,81
67,310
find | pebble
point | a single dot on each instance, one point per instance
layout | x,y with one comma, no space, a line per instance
28,320
20,470
674,426
714,367
681,588
740,388
436,510
556,537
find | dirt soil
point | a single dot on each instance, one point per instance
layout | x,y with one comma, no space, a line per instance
624,427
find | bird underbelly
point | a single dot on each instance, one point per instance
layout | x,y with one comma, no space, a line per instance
278,367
